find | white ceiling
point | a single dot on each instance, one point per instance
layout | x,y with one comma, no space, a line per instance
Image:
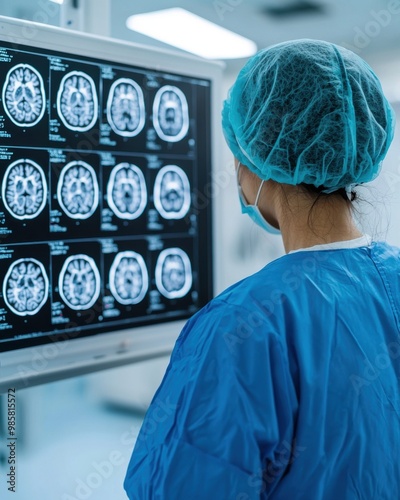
339,21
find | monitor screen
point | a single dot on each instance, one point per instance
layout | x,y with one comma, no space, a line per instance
103,166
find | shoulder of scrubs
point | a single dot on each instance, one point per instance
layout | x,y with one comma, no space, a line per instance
225,408
387,262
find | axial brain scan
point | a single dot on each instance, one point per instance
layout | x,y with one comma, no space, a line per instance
129,279
24,97
77,102
172,192
125,108
78,190
25,287
173,273
79,282
126,191
170,114
24,189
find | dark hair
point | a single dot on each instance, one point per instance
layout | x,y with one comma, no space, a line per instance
319,191
321,196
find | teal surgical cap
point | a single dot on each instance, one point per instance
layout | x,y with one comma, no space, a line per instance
308,111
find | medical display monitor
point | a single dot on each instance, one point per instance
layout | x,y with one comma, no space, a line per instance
102,161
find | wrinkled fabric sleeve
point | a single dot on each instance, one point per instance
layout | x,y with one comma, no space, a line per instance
221,417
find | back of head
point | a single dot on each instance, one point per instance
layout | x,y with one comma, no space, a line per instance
309,111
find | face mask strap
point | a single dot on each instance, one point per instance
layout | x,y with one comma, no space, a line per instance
237,171
240,188
258,193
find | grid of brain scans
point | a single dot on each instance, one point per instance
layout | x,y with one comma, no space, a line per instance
102,168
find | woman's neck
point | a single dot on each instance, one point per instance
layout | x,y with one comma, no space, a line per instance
306,221
326,221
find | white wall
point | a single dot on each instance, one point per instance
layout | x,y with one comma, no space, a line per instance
382,217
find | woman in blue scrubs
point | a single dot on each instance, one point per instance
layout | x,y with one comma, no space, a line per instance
287,385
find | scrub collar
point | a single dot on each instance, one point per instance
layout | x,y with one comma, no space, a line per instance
363,241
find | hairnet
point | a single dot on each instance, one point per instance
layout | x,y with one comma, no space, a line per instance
308,111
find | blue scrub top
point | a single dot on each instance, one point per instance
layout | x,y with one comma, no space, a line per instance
286,386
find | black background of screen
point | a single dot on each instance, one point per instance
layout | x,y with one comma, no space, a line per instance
51,145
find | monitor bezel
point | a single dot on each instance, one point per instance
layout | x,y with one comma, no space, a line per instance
24,367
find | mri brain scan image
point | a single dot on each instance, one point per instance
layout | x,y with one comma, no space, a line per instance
129,279
126,191
125,108
173,273
78,190
170,114
26,287
24,97
77,102
172,192
79,282
24,189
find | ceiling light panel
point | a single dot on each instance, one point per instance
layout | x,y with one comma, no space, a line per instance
184,30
